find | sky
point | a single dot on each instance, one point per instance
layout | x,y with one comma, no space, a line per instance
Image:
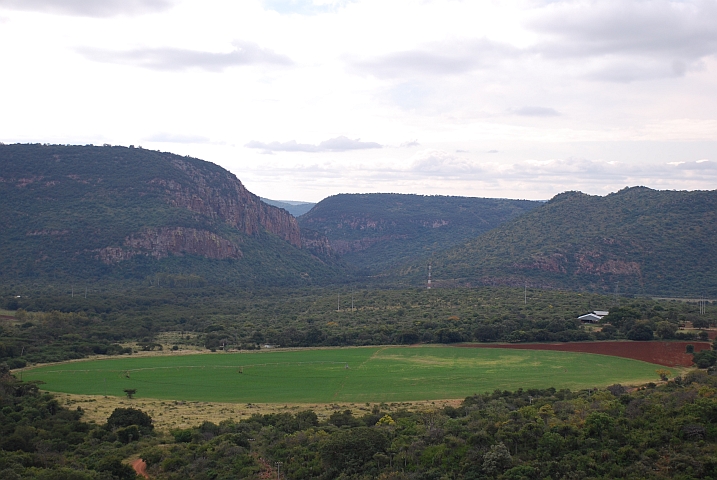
302,99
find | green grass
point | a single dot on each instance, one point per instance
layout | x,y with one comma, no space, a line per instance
377,374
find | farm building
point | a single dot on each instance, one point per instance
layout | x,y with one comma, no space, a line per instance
593,317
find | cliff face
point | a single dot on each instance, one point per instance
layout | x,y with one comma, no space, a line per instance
82,211
160,243
218,194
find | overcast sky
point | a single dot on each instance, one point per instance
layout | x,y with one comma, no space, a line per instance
302,99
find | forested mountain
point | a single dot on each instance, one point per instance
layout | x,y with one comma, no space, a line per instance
377,230
637,240
115,212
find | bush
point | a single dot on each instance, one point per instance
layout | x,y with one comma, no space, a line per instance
640,333
705,358
125,417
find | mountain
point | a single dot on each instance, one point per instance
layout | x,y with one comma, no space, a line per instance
293,207
637,240
115,212
375,231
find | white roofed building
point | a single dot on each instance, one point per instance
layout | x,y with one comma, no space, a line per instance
593,317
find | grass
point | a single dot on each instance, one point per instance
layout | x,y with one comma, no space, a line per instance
376,374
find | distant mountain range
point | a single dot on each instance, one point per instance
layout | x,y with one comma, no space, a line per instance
638,241
373,232
114,212
293,207
117,214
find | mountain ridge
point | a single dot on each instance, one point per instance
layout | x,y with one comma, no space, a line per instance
115,206
377,230
647,241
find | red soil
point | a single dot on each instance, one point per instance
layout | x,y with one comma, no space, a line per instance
669,354
140,467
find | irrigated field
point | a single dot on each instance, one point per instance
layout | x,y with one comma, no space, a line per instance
376,374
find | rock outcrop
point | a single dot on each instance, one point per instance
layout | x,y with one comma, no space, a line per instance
160,243
220,195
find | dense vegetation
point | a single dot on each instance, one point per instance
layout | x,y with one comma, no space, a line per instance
667,431
53,325
377,230
649,242
63,207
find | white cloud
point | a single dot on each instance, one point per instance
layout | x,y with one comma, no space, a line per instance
178,59
176,138
90,8
632,40
536,112
338,144
445,58
304,7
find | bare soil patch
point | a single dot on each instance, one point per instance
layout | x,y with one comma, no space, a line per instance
140,467
669,354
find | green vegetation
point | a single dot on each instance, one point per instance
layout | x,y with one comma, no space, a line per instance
374,231
667,431
379,374
650,242
82,214
51,325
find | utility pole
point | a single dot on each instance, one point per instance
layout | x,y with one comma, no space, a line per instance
278,469
338,304
617,300
526,293
429,276
352,299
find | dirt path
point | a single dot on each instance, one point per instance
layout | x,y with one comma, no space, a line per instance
140,467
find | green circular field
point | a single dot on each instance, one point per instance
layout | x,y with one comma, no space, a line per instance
376,374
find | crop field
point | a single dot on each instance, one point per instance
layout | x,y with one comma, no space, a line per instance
375,374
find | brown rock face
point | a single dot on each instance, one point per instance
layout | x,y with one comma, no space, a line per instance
160,243
316,243
218,194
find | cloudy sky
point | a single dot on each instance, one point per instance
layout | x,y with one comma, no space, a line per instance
302,99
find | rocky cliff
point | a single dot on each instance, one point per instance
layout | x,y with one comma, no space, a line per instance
129,212
218,194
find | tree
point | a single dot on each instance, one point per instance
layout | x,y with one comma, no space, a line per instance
130,392
125,417
640,332
705,358
666,330
351,451
497,460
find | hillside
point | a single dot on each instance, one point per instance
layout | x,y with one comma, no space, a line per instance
647,241
115,212
375,231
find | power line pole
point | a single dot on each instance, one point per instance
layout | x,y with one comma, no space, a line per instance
617,300
526,293
429,276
